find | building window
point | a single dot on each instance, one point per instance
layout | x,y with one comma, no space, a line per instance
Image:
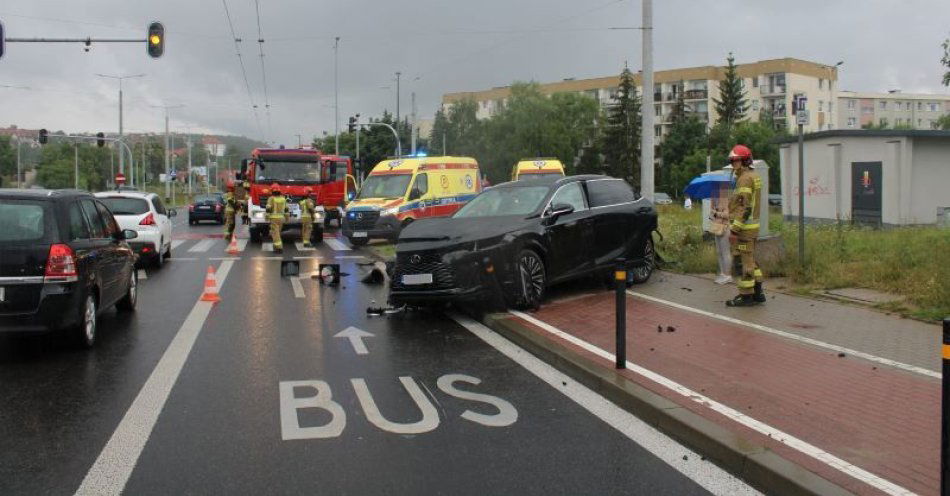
659,109
657,131
933,107
821,105
821,83
883,105
831,107
920,105
755,81
852,121
755,105
851,104
883,122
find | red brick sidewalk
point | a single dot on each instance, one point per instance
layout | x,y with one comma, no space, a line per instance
883,421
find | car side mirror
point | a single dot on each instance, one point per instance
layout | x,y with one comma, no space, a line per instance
128,234
415,194
172,212
560,209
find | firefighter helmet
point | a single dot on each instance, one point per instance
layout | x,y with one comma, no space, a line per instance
275,188
741,152
230,186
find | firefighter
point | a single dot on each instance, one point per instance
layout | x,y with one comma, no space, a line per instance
307,211
240,192
744,226
232,207
276,214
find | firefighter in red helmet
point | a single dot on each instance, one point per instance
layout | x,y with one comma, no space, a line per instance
744,226
276,214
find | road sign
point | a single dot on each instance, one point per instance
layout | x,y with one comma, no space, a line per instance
174,174
802,117
120,178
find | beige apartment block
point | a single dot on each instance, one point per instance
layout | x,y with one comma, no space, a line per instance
916,111
771,86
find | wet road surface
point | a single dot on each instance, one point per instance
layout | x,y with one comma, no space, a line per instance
258,394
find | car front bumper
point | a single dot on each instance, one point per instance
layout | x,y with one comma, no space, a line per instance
384,227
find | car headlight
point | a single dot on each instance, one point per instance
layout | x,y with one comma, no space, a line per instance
390,211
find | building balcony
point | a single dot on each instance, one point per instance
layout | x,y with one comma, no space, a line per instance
772,90
696,95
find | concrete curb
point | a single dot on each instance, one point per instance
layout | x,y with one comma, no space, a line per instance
757,465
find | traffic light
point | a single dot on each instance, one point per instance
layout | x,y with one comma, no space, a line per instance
44,137
352,125
100,139
155,40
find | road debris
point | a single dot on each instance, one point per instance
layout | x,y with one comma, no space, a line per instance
670,329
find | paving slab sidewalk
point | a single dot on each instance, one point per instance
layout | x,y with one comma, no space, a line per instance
863,424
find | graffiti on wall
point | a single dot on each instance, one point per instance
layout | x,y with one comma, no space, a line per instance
814,188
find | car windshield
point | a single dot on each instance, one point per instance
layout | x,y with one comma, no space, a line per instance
22,221
505,201
385,186
287,172
126,206
539,176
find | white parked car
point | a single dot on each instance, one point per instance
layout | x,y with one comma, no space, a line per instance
662,199
145,214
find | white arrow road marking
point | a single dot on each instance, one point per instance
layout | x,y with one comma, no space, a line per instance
298,288
267,246
356,338
112,469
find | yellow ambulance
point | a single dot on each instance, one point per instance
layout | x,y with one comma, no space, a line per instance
399,191
537,168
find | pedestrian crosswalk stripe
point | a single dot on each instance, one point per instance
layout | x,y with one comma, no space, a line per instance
336,244
298,288
267,246
142,275
202,246
301,247
176,243
241,244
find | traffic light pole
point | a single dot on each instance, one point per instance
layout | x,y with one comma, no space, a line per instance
90,138
398,144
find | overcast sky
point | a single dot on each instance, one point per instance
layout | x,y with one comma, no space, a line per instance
439,46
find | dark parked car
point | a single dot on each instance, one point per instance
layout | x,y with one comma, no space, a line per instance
206,207
518,238
775,199
63,260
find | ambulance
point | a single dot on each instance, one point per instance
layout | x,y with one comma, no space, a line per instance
537,168
399,191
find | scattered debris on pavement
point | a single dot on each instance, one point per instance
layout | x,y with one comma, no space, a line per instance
670,329
840,355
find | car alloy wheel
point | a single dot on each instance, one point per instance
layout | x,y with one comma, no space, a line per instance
531,271
644,268
127,303
88,329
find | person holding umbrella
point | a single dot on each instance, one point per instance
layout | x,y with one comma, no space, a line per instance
715,187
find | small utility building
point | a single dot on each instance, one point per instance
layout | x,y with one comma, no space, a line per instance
879,177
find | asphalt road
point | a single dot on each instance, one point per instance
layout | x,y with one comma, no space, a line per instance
256,395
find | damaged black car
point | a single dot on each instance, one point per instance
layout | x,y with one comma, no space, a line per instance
517,239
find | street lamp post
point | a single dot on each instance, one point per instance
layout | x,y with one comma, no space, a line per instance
18,142
649,113
168,170
398,74
336,95
120,78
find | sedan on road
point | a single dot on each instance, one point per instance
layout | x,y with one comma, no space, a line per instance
145,214
206,207
519,238
63,260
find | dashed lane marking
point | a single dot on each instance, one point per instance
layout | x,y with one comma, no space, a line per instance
298,288
780,436
142,275
704,473
111,470
267,247
336,244
795,337
242,244
301,247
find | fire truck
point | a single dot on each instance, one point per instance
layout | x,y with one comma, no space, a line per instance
295,170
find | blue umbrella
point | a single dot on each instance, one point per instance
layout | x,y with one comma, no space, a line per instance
708,185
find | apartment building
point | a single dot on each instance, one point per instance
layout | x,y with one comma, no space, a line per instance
771,86
917,111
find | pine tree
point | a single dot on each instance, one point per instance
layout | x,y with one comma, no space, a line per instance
732,103
621,137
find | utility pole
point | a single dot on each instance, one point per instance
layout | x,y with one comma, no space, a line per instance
189,164
397,98
336,95
802,118
18,142
648,114
413,133
359,164
76,166
144,176
169,191
121,156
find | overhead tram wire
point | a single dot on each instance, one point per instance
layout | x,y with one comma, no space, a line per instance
237,50
260,46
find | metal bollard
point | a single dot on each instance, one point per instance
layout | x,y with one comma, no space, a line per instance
620,280
945,412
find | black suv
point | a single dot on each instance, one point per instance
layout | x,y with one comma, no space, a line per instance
63,260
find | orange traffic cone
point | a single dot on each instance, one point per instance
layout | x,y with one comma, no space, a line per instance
211,287
232,246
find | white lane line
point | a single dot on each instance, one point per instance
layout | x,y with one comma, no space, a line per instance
336,244
176,243
268,258
802,339
298,288
242,244
704,473
267,246
221,259
306,258
301,247
202,246
182,259
345,257
142,275
111,470
735,415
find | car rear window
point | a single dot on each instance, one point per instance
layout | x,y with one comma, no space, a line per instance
25,221
126,206
207,198
607,192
